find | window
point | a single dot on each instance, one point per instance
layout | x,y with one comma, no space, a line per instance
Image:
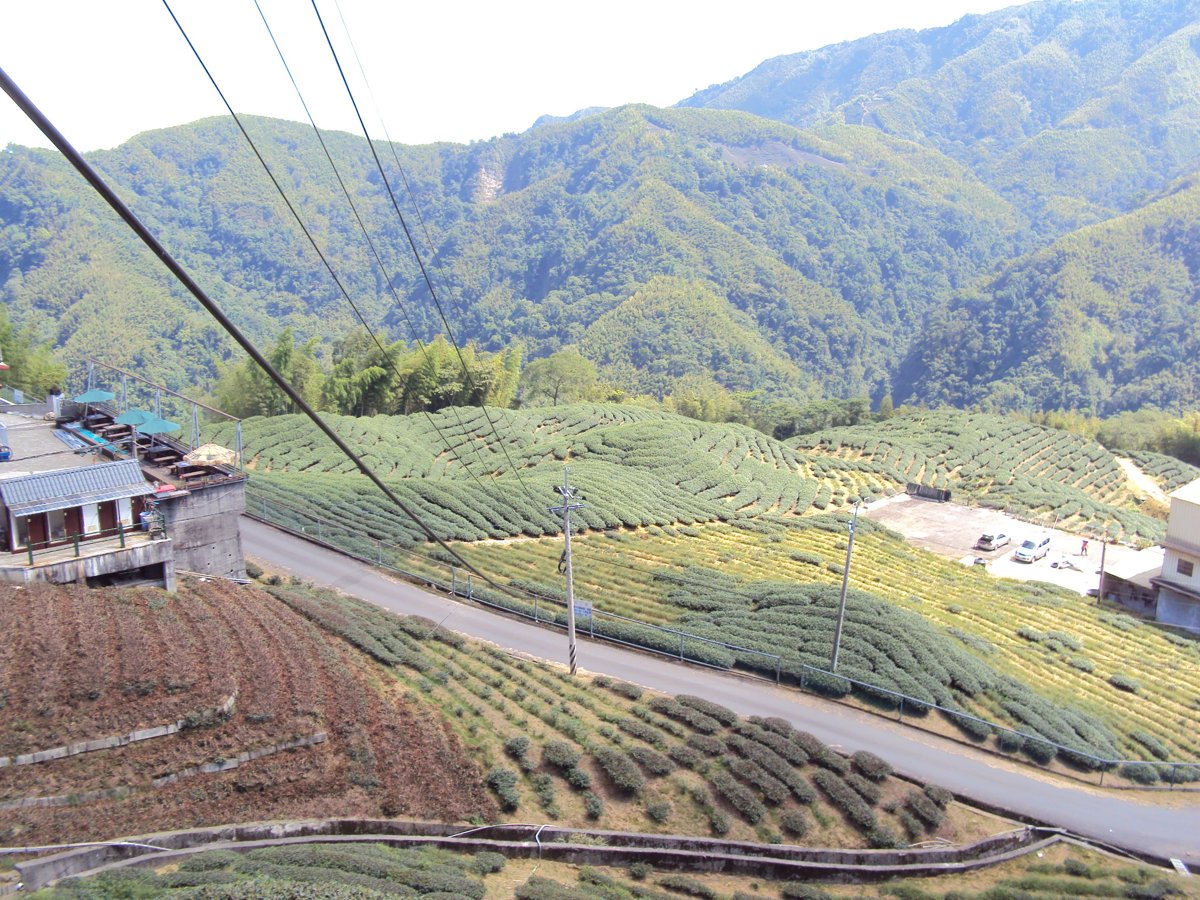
1184,567
21,531
58,524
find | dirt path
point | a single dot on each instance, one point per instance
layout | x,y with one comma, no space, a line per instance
1141,481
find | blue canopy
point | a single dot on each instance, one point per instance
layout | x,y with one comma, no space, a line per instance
95,395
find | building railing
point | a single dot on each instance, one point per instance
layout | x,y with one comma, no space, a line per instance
692,648
78,543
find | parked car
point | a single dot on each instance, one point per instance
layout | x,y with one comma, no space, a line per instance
991,541
1032,550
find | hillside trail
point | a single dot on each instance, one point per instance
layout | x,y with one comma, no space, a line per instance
1141,481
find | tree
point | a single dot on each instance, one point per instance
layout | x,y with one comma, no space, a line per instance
245,390
562,377
31,368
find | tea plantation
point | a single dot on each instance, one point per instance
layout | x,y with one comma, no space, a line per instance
713,530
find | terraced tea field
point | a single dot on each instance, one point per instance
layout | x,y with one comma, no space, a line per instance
1045,475
1058,642
714,529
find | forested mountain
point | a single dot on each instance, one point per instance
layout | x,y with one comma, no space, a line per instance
1071,110
886,229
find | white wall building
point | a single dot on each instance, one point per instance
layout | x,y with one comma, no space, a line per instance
1179,583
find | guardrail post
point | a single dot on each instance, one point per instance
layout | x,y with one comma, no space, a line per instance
264,507
470,587
75,541
900,715
778,668
121,533
454,581
29,547
379,551
1102,777
1174,774
535,608
681,646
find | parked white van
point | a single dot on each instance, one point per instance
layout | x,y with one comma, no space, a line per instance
1031,550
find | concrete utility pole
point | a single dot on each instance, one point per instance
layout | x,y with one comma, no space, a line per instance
567,491
841,613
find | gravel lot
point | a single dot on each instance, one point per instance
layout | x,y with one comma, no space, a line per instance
951,530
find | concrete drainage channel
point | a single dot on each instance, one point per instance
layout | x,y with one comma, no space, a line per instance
596,848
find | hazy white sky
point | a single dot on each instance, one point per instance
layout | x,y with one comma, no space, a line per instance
105,70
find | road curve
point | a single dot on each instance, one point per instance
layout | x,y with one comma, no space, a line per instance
1121,818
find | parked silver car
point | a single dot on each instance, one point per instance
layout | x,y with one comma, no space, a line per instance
991,541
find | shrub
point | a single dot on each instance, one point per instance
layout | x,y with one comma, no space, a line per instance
707,744
798,890
485,862
1009,741
625,689
1082,663
1123,682
882,837
1140,773
1040,752
871,765
939,795
652,761
517,747
924,809
686,756
739,797
560,754
794,823
682,884
866,789
722,714
659,811
846,799
639,870
911,825
674,709
503,783
1156,747
593,806
774,790
253,571
621,770
579,778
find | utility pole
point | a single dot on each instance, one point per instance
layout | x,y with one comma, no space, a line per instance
566,490
841,613
1100,587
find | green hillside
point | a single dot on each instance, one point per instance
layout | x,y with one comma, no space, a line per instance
1070,110
928,215
1103,320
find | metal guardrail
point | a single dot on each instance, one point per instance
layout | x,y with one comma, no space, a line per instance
811,679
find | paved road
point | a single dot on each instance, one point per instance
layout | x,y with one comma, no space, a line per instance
1122,819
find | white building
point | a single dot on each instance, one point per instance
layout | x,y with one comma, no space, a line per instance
1179,584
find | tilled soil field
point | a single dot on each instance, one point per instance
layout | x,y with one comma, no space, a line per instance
79,665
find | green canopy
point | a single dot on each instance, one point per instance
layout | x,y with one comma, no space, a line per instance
157,426
135,417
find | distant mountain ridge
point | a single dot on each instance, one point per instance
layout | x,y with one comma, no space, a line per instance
895,216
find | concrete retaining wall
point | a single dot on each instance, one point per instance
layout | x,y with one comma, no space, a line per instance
203,526
80,569
619,849
107,743
206,769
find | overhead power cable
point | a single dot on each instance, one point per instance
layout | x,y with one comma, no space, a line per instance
416,253
101,187
384,354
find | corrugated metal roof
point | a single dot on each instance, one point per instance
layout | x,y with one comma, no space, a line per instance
63,488
1189,492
